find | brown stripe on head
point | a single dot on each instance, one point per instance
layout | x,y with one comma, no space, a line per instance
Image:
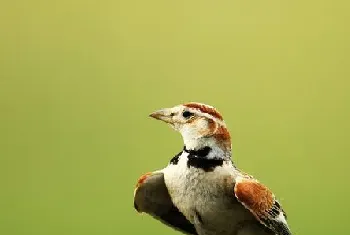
223,136
220,133
204,109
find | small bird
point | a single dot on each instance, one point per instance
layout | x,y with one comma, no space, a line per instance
201,191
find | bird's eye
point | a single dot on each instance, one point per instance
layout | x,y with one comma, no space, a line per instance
187,114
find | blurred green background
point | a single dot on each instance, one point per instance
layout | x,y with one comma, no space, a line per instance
79,78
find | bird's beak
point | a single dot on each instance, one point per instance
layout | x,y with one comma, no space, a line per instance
164,115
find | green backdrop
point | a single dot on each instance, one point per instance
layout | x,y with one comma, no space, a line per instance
79,78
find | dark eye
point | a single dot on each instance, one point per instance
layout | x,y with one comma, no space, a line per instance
187,114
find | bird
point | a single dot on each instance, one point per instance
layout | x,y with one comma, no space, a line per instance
201,191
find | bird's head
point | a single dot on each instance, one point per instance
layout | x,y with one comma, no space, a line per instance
199,124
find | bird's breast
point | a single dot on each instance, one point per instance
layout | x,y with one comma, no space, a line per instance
196,192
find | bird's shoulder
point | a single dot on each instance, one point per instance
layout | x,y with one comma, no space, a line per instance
261,202
151,196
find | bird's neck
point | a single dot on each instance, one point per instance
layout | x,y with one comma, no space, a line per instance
215,136
202,144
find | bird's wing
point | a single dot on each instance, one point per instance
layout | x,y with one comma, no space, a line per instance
261,202
151,196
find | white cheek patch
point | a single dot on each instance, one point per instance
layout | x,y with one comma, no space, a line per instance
201,124
195,129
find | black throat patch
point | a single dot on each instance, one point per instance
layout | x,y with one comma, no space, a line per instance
198,159
175,159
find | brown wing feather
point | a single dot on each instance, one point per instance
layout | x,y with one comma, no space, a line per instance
152,197
261,202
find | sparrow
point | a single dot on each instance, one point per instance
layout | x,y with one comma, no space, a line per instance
201,191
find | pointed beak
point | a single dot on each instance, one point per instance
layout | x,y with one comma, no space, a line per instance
164,115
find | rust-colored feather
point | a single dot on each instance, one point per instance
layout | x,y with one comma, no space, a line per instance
142,179
255,196
205,109
261,202
220,133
